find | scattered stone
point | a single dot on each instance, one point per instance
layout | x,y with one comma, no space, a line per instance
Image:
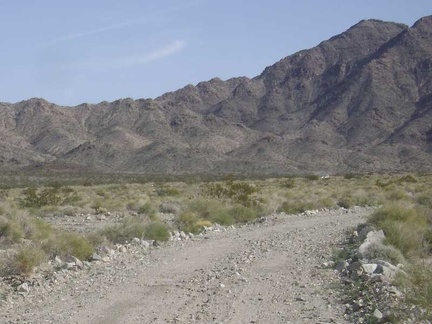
106,250
372,237
145,244
341,265
369,268
95,257
183,236
377,314
23,288
328,264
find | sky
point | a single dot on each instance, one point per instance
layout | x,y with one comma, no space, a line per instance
70,52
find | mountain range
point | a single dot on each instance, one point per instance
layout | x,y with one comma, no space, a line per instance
360,101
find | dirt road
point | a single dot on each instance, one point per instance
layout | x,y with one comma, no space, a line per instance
263,273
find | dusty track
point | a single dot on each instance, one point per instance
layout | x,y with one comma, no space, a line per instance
262,273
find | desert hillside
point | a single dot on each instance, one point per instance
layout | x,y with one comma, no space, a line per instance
360,101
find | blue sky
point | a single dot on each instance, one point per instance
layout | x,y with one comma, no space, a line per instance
70,52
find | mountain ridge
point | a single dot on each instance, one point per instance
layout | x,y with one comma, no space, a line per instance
360,101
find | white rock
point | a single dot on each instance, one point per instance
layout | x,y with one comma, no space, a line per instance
23,288
369,267
373,237
377,314
145,244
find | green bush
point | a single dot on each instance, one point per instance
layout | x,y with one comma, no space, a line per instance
156,231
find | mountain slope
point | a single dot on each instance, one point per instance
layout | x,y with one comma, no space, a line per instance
360,101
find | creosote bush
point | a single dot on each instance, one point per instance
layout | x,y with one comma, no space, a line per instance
238,192
54,195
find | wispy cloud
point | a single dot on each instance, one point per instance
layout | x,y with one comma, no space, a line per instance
112,63
99,30
123,24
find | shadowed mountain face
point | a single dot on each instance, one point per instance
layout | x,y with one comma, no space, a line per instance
358,102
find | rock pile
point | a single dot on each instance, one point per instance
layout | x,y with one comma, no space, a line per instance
369,279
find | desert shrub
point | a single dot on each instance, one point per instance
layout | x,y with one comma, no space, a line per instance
129,228
346,202
96,239
425,199
385,252
97,205
167,191
243,214
147,209
205,208
408,238
312,177
188,222
407,178
48,196
418,287
394,212
295,206
238,192
325,202
349,176
397,194
37,230
24,261
288,183
156,231
11,230
170,207
404,227
222,217
68,244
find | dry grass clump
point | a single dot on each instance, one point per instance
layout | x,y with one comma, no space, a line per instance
68,244
24,261
405,228
132,227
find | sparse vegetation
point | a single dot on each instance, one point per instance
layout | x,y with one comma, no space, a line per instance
149,210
